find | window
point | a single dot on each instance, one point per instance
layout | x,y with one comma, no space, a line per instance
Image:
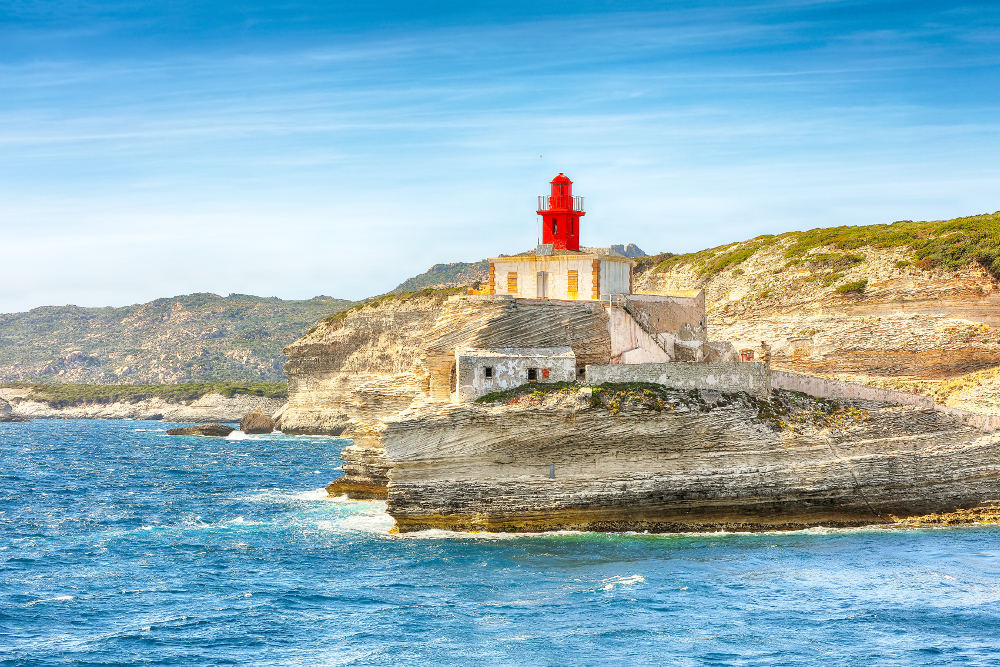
572,284
532,374
545,373
489,372
555,226
512,282
572,226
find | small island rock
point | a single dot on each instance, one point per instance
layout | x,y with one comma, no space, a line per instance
217,430
256,422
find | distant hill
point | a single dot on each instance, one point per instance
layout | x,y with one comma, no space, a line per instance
190,338
456,274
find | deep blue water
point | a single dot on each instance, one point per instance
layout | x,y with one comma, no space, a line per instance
120,545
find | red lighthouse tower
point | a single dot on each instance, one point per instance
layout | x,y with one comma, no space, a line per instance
561,213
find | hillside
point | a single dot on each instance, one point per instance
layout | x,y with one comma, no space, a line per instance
440,276
910,305
189,338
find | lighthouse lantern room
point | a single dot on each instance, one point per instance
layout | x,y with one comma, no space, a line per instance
561,213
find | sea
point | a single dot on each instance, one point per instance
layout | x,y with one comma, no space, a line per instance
120,545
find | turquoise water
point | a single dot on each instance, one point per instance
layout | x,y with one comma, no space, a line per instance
120,545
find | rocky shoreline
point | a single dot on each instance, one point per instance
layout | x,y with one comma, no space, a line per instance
680,462
208,408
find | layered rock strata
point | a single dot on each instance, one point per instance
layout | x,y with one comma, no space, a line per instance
696,461
353,373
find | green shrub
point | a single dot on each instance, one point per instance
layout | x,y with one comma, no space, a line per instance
68,395
855,287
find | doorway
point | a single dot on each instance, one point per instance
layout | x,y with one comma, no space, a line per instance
543,285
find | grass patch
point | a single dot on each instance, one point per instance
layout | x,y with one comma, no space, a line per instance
531,390
69,395
856,287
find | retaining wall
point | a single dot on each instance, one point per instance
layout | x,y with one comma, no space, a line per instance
719,376
824,388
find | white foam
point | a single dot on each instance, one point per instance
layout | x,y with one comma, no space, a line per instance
610,583
276,496
237,435
61,598
438,534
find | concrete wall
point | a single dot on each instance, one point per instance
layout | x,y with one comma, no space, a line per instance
823,388
732,376
615,275
630,344
614,272
974,419
680,315
510,369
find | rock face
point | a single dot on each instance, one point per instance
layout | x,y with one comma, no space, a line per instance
217,430
256,422
5,410
697,461
352,374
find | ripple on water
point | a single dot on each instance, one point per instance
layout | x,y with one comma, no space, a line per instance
181,552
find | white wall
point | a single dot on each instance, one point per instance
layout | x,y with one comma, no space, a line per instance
509,371
558,267
629,343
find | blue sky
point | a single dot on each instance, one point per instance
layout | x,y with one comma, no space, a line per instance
294,149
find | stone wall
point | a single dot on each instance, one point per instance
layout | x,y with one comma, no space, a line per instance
834,389
735,376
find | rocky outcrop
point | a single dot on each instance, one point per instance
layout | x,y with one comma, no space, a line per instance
256,422
674,461
215,430
355,372
6,414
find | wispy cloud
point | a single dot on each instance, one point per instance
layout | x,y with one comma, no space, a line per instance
685,129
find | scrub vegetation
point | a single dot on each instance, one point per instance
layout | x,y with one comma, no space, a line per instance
69,395
949,245
189,338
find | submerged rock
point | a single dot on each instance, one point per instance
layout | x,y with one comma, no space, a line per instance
256,422
217,430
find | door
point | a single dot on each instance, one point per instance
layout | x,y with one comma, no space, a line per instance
543,285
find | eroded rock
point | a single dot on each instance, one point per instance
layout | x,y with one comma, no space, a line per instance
256,422
216,430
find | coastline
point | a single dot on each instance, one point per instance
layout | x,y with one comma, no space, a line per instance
212,407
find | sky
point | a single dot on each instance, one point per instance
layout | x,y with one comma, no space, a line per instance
291,149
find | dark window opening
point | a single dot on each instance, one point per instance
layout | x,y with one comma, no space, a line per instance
532,374
555,226
489,372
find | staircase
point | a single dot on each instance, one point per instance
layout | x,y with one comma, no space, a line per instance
621,301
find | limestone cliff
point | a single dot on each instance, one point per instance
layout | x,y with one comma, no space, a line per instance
662,460
903,305
359,368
